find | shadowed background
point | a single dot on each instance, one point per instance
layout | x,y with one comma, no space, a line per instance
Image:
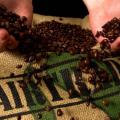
64,8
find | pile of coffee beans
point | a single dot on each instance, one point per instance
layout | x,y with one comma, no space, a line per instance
61,37
56,37
110,30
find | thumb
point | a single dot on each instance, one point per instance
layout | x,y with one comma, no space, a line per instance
93,4
4,38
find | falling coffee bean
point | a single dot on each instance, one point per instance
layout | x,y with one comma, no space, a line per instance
93,106
59,112
39,115
60,19
12,74
72,118
106,102
19,117
19,66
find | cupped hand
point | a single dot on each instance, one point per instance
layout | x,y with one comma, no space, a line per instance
100,12
20,7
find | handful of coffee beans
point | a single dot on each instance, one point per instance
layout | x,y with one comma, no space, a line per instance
110,30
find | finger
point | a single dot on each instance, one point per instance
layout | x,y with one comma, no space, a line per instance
25,9
12,43
116,45
4,38
20,7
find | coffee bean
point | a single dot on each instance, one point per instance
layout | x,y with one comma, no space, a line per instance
22,85
60,19
106,102
72,118
12,74
23,18
19,66
19,117
91,80
26,59
87,103
93,106
77,82
39,115
31,58
59,112
98,34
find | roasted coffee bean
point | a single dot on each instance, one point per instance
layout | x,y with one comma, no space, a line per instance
59,112
22,85
82,50
87,61
105,44
103,75
44,67
19,66
19,117
23,18
93,106
60,19
70,92
31,58
39,115
38,78
44,55
26,59
98,34
91,80
12,74
85,69
78,82
87,103
106,102
72,118
89,99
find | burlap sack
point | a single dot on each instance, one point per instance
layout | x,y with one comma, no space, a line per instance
30,103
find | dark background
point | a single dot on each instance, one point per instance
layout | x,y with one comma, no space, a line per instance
63,8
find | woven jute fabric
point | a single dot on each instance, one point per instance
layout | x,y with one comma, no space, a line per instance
16,102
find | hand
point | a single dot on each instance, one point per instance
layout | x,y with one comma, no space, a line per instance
20,7
100,12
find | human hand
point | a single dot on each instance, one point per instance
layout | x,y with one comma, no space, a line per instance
20,7
100,12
